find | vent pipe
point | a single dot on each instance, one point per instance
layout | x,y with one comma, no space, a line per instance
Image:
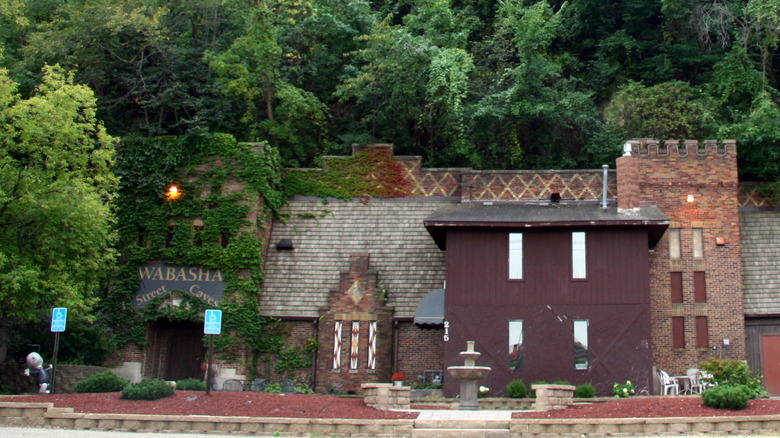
604,188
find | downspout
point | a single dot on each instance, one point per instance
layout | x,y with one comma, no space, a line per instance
604,189
395,346
315,354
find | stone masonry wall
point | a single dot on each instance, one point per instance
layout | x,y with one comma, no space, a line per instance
668,174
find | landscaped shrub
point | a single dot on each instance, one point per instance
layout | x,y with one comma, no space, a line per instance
191,385
102,382
734,372
516,389
586,390
623,389
727,396
147,390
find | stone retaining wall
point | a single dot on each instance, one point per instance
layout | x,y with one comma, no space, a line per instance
46,415
550,397
386,396
11,374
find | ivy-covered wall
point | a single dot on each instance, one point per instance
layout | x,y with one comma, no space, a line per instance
229,191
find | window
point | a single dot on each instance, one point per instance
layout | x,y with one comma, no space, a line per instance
698,244
515,345
702,332
674,244
515,256
677,287
578,254
678,332
581,344
699,287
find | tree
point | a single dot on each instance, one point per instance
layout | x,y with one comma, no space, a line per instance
56,186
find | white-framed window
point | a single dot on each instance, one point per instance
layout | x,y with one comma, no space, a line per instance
578,254
581,344
515,256
698,243
674,244
516,345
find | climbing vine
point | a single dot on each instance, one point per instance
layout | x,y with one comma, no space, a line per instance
220,181
369,173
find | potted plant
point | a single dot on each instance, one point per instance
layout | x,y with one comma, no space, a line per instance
398,379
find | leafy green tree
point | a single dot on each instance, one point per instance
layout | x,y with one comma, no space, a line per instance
671,110
55,188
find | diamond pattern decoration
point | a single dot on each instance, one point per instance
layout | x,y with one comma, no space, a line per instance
372,345
337,345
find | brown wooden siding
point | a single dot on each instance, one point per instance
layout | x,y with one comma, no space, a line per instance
477,269
702,332
754,329
678,332
614,299
677,287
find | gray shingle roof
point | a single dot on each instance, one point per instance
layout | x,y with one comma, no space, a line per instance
408,262
759,236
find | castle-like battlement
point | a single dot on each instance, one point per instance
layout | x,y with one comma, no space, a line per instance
651,147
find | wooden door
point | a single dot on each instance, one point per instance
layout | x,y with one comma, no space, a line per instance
186,353
770,361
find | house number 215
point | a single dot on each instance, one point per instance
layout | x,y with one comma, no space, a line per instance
446,331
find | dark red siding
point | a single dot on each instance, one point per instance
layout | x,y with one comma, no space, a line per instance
699,287
614,298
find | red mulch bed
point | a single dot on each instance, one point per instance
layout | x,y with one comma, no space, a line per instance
260,404
239,404
643,407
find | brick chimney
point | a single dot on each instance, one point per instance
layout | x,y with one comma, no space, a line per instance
627,181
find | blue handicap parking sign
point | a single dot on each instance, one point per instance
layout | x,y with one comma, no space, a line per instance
212,325
59,317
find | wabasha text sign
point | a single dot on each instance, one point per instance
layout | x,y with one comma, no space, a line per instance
160,279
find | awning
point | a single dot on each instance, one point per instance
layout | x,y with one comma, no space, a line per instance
430,309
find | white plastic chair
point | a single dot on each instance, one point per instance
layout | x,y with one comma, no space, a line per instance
693,376
668,384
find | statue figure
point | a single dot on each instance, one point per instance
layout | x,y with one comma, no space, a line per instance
34,363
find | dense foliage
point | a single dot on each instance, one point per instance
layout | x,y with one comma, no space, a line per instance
515,83
729,372
101,382
147,390
516,389
727,396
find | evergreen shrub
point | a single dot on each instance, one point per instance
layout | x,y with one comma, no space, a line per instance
516,389
586,390
727,396
191,385
734,372
147,390
102,382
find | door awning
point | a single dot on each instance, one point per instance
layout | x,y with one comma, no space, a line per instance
430,309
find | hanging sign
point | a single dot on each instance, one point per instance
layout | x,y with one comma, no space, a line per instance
160,279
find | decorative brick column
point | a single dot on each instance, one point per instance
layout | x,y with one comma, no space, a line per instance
550,397
386,396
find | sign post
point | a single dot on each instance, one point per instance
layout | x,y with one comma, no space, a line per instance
212,325
59,319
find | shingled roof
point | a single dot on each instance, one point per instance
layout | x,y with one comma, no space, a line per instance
408,262
759,234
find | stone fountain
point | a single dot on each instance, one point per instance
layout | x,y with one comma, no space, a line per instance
469,375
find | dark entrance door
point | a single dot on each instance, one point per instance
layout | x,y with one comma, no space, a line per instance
770,360
184,349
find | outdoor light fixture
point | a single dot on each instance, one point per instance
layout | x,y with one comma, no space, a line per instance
690,198
173,193
720,241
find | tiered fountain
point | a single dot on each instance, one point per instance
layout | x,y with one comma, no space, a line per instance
469,375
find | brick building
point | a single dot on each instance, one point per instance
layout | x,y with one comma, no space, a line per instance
662,235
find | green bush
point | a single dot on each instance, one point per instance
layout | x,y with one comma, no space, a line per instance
728,396
516,389
147,390
734,372
586,390
102,382
191,385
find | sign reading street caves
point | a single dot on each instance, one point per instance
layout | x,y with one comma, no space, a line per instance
159,279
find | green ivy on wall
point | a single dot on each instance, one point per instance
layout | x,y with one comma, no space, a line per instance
154,228
369,173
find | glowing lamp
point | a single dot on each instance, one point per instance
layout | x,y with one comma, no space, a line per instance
173,193
690,198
